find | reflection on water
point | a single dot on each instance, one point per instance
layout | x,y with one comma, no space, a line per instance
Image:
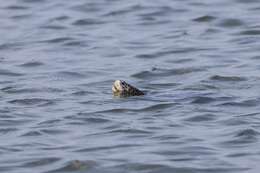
197,62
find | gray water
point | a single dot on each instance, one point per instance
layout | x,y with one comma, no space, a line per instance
197,61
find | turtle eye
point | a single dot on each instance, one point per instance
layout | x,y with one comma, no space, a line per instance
123,83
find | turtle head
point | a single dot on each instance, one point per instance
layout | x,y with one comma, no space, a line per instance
119,86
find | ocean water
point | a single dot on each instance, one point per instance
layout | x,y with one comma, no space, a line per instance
197,61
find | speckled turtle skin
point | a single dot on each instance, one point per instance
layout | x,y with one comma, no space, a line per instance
121,88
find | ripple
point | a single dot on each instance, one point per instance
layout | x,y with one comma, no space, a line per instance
191,151
149,167
32,64
54,27
88,118
160,11
14,122
152,108
23,16
41,162
205,18
58,40
82,93
201,118
230,23
227,78
248,134
181,61
88,7
244,103
161,85
7,130
60,18
4,72
119,12
160,54
83,22
17,7
33,1
147,21
70,75
32,101
166,72
32,133
203,100
108,148
76,165
250,32
18,90
241,154
242,138
11,46
75,43
53,131
247,1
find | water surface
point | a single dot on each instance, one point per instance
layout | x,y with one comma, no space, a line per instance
198,62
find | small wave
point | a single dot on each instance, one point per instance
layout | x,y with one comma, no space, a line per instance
160,11
4,72
11,46
130,132
53,131
17,7
33,1
250,32
41,162
57,40
247,1
248,133
147,21
152,108
166,72
32,101
82,22
203,100
70,75
205,18
181,61
24,16
75,43
245,103
76,165
146,167
13,122
228,23
113,147
160,54
82,93
18,90
53,27
201,118
161,85
242,137
32,133
88,118
227,78
60,18
7,130
32,64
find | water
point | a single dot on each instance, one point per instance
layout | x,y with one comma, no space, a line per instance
197,61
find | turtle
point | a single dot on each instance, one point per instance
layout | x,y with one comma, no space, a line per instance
121,88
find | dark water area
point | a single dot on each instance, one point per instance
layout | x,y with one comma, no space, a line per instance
197,61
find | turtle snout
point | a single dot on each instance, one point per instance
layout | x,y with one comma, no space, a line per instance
117,86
